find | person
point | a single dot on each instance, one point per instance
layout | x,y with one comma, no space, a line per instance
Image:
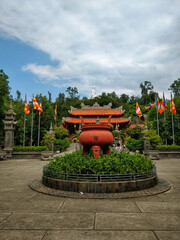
118,148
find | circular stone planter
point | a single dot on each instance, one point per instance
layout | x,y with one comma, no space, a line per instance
99,187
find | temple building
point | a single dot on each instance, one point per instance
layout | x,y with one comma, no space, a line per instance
91,113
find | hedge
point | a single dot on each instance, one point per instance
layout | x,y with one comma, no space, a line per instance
116,163
172,147
29,148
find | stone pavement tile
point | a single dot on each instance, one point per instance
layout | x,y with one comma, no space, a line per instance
137,221
174,197
98,205
45,197
177,187
17,196
159,206
39,206
154,198
168,235
99,235
45,221
4,216
7,206
21,235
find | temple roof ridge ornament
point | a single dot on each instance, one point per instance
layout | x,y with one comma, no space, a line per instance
96,106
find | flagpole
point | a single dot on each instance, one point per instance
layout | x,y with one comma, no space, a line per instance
32,127
157,123
173,129
157,113
24,129
39,129
165,124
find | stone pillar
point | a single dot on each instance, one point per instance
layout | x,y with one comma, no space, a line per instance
9,126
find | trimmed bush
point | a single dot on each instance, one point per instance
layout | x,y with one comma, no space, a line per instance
172,147
154,139
133,144
116,163
60,144
29,148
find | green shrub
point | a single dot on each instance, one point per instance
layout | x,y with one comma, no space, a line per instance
19,148
133,144
135,133
48,140
154,139
60,144
61,132
116,163
172,147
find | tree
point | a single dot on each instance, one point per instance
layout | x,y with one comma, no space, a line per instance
72,92
175,87
124,98
4,100
145,91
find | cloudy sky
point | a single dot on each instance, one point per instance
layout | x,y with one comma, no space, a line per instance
112,44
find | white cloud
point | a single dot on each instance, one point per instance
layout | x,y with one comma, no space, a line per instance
114,45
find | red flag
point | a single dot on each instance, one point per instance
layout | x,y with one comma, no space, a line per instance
55,113
160,110
40,108
138,110
163,104
172,106
26,108
35,104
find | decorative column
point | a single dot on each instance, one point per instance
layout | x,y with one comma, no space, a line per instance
9,126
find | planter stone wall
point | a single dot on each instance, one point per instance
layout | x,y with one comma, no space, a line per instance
26,155
99,187
155,155
3,156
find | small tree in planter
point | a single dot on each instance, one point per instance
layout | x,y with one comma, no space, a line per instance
61,141
154,139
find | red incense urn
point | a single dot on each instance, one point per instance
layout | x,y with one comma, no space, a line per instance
96,136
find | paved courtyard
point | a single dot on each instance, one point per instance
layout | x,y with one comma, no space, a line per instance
26,214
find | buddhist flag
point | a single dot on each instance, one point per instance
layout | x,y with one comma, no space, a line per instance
138,110
55,113
163,104
172,106
40,108
26,108
35,104
160,110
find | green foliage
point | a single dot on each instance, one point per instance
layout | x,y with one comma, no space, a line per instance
146,95
154,139
4,99
48,140
133,144
60,144
116,163
31,149
135,133
175,87
61,132
172,147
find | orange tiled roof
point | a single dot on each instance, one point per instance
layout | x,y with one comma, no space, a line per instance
135,125
95,112
93,120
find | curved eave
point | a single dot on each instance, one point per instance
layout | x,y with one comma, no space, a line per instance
97,113
93,120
